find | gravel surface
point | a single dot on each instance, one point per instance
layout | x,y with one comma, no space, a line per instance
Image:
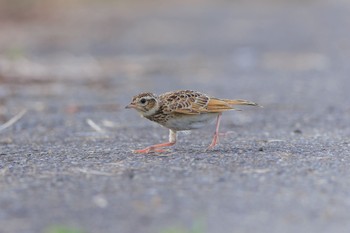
67,161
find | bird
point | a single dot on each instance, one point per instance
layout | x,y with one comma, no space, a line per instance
182,110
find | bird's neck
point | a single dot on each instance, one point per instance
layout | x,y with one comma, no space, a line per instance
152,111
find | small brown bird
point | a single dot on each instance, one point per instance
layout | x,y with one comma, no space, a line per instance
182,110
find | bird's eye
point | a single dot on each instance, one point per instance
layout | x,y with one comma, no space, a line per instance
142,101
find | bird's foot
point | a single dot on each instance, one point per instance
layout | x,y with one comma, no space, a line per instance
214,142
148,150
155,148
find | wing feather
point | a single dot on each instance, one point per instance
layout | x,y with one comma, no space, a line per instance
185,102
194,102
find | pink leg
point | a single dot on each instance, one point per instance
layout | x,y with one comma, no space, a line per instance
154,148
216,134
157,147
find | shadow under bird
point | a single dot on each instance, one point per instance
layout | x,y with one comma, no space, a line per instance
182,110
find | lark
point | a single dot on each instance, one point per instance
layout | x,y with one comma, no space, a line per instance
182,110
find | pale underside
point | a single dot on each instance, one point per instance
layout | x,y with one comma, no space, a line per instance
189,122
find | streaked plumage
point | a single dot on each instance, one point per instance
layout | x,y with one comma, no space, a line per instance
182,110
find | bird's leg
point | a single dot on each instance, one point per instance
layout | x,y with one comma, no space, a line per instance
216,134
157,147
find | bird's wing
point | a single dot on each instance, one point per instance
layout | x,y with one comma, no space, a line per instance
193,102
185,102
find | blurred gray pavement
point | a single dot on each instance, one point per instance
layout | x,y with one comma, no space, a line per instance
282,168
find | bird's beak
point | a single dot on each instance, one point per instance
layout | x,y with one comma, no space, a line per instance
130,106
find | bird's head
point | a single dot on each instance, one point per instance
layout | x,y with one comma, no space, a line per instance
145,103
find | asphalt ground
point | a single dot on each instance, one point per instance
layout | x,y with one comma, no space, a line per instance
67,162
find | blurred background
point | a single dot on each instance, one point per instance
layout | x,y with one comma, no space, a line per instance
68,61
55,47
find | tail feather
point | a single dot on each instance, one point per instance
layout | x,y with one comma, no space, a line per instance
221,105
240,102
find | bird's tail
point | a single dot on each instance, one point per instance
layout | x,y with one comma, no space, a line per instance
240,102
221,105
